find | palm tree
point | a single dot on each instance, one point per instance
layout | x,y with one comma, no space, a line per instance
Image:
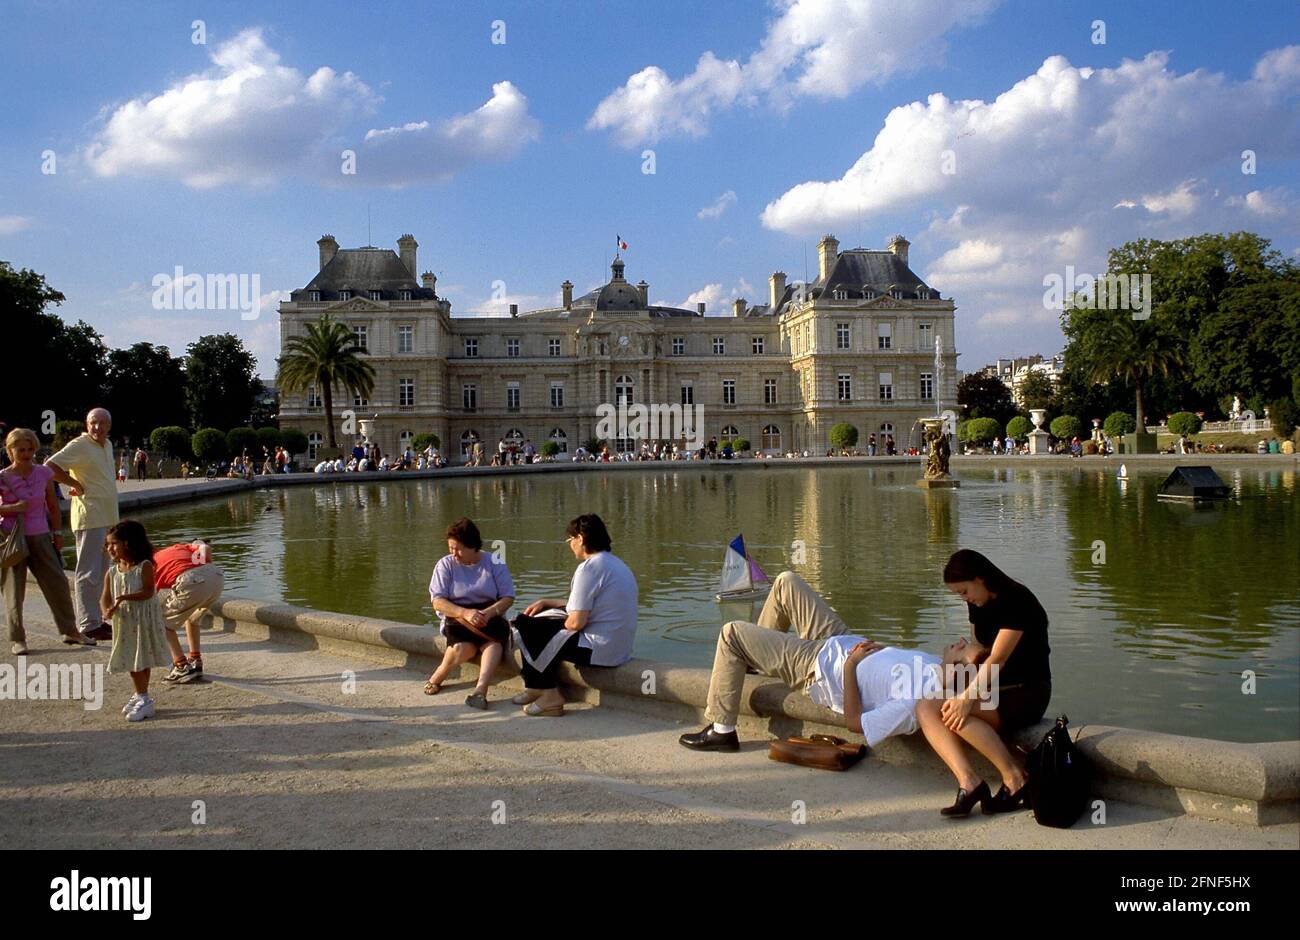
1132,350
325,357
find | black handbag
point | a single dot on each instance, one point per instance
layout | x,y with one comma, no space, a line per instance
1060,778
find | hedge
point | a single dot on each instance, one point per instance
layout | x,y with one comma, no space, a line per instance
1065,427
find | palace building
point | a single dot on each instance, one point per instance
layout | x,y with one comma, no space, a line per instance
857,345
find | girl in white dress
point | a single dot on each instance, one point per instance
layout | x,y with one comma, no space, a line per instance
131,603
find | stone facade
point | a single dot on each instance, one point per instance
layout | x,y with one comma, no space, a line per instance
855,345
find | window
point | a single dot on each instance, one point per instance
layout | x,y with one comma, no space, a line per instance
469,397
679,345
315,295
868,294
406,393
728,391
886,386
844,385
729,433
560,438
557,394
771,438
769,391
515,438
471,348
623,389
924,339
840,294
896,294
359,402
553,347
927,386
467,442
313,397
719,345
688,393
841,336
374,295
360,337
404,440
345,295
884,336
756,345
314,441
403,295
887,427
405,339
512,396
512,347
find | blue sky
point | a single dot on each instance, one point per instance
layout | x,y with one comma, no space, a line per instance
997,136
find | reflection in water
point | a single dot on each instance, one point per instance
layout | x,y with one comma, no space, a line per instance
1158,636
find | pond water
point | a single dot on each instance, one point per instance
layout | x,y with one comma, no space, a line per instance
1157,634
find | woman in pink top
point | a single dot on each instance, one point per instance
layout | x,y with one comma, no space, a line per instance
27,491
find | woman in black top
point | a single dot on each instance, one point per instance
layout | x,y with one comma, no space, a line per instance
1010,626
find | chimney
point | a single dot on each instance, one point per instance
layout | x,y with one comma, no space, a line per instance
514,310
643,289
430,280
406,246
328,249
738,307
827,251
776,285
566,294
699,308
898,246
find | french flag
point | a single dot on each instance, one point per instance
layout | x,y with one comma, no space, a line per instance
622,245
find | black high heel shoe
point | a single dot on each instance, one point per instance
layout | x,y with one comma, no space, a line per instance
1004,801
966,801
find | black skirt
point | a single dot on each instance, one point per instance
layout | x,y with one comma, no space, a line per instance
1022,705
497,628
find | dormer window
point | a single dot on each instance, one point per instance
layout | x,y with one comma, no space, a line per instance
345,295
315,295
840,294
896,294
374,295
404,295
868,294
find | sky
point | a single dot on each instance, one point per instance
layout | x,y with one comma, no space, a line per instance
1008,140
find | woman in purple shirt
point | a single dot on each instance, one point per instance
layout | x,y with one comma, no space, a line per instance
27,490
471,591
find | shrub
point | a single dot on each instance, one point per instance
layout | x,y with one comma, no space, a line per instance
550,449
1285,416
982,430
209,444
243,439
843,435
172,441
1184,422
422,442
65,431
741,444
1018,428
293,441
961,429
268,438
1090,447
593,445
1119,423
1065,427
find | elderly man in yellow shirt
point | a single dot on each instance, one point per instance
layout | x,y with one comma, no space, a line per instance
85,466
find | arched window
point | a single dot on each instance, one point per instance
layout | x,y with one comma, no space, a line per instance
515,437
623,389
558,435
771,439
887,427
729,433
467,441
404,440
314,441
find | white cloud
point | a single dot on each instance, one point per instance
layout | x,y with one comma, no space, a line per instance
719,206
1182,200
1267,203
13,224
717,299
815,48
250,119
491,307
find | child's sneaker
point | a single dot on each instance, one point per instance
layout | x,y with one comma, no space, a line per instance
192,670
143,709
179,669
130,703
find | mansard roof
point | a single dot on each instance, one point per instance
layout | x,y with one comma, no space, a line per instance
361,270
859,269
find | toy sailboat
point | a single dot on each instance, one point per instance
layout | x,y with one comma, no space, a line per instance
742,579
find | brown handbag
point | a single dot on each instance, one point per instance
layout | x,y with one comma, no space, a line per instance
823,751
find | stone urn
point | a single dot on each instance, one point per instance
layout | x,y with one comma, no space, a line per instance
1038,438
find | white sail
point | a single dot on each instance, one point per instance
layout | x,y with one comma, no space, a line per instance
735,572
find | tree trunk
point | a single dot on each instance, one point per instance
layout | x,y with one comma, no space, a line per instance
1141,409
329,413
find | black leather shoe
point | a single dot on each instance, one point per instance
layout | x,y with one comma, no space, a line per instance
966,801
710,740
102,632
1004,801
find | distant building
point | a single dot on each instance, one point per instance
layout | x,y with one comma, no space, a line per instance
855,345
1013,371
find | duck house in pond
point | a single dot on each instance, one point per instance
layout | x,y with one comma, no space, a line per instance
1194,483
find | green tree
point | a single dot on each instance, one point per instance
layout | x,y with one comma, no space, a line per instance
1037,390
1118,423
209,444
1284,416
982,430
268,438
29,388
326,357
145,390
239,440
174,441
985,396
550,449
220,381
1065,427
1184,422
843,435
65,431
1250,344
422,442
1018,428
741,444
294,441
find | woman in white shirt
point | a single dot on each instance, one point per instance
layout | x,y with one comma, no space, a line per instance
595,626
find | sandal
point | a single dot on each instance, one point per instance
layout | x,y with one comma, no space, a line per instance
526,697
533,710
432,688
477,700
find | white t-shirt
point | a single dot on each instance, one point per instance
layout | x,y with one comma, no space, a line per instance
606,587
890,681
